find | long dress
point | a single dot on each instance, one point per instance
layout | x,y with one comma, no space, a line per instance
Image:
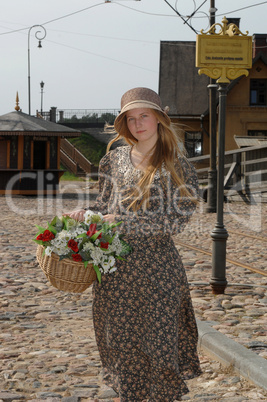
143,317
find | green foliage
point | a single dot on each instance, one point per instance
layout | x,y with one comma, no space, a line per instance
68,176
92,118
90,147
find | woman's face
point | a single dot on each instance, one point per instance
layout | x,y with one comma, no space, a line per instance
143,125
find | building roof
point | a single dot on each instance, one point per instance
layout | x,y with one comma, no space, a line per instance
246,141
180,86
18,123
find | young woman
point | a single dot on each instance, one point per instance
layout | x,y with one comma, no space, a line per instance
143,317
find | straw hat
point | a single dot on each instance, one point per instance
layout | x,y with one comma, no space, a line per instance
139,98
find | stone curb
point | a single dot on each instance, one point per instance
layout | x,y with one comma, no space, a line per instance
244,361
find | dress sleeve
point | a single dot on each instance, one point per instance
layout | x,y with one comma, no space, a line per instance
168,212
105,185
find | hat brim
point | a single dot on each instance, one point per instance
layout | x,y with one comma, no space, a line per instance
138,105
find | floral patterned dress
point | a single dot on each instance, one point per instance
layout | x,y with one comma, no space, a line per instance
143,317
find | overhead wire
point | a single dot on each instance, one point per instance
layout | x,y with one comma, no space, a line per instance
184,16
104,37
177,12
55,19
196,9
133,9
238,9
130,8
73,13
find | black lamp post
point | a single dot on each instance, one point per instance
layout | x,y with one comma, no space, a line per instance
40,35
42,93
212,173
219,234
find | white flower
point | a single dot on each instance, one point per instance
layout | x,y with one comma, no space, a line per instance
88,246
97,255
64,235
105,266
116,245
92,217
111,261
78,231
48,251
113,269
88,216
104,259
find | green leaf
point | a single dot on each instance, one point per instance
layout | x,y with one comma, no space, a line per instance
38,241
95,236
85,255
120,258
112,238
40,228
126,248
82,235
85,263
105,227
98,273
65,221
52,229
113,225
55,220
57,223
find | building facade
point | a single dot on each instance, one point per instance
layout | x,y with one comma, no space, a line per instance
30,154
186,93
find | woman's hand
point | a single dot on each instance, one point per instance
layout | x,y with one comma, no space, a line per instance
109,218
78,215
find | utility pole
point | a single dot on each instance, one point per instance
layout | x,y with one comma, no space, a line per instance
212,173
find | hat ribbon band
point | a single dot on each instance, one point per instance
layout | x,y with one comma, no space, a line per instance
141,101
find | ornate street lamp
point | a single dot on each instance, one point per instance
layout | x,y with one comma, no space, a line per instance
223,56
40,35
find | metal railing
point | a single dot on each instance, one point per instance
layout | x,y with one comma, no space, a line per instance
88,115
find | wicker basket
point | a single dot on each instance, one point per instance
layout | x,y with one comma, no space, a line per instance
66,275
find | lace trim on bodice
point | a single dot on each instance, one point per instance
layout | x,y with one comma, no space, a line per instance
125,166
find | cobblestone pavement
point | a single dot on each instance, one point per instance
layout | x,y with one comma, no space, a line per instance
47,344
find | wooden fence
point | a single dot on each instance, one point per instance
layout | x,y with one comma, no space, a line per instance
244,168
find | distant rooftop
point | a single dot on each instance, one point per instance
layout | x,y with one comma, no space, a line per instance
180,86
18,123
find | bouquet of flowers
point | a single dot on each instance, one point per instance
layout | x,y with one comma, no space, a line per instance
92,241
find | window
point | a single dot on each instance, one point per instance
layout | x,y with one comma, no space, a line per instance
258,92
3,154
193,144
39,154
257,133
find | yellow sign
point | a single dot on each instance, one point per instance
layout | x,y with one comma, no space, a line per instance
224,55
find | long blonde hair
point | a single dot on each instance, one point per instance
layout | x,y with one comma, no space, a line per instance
167,152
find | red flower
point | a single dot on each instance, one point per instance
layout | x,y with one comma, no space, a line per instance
76,257
46,236
92,230
73,245
104,245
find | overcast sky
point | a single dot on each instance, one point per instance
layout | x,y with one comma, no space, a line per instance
94,50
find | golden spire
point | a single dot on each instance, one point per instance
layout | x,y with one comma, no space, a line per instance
17,108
